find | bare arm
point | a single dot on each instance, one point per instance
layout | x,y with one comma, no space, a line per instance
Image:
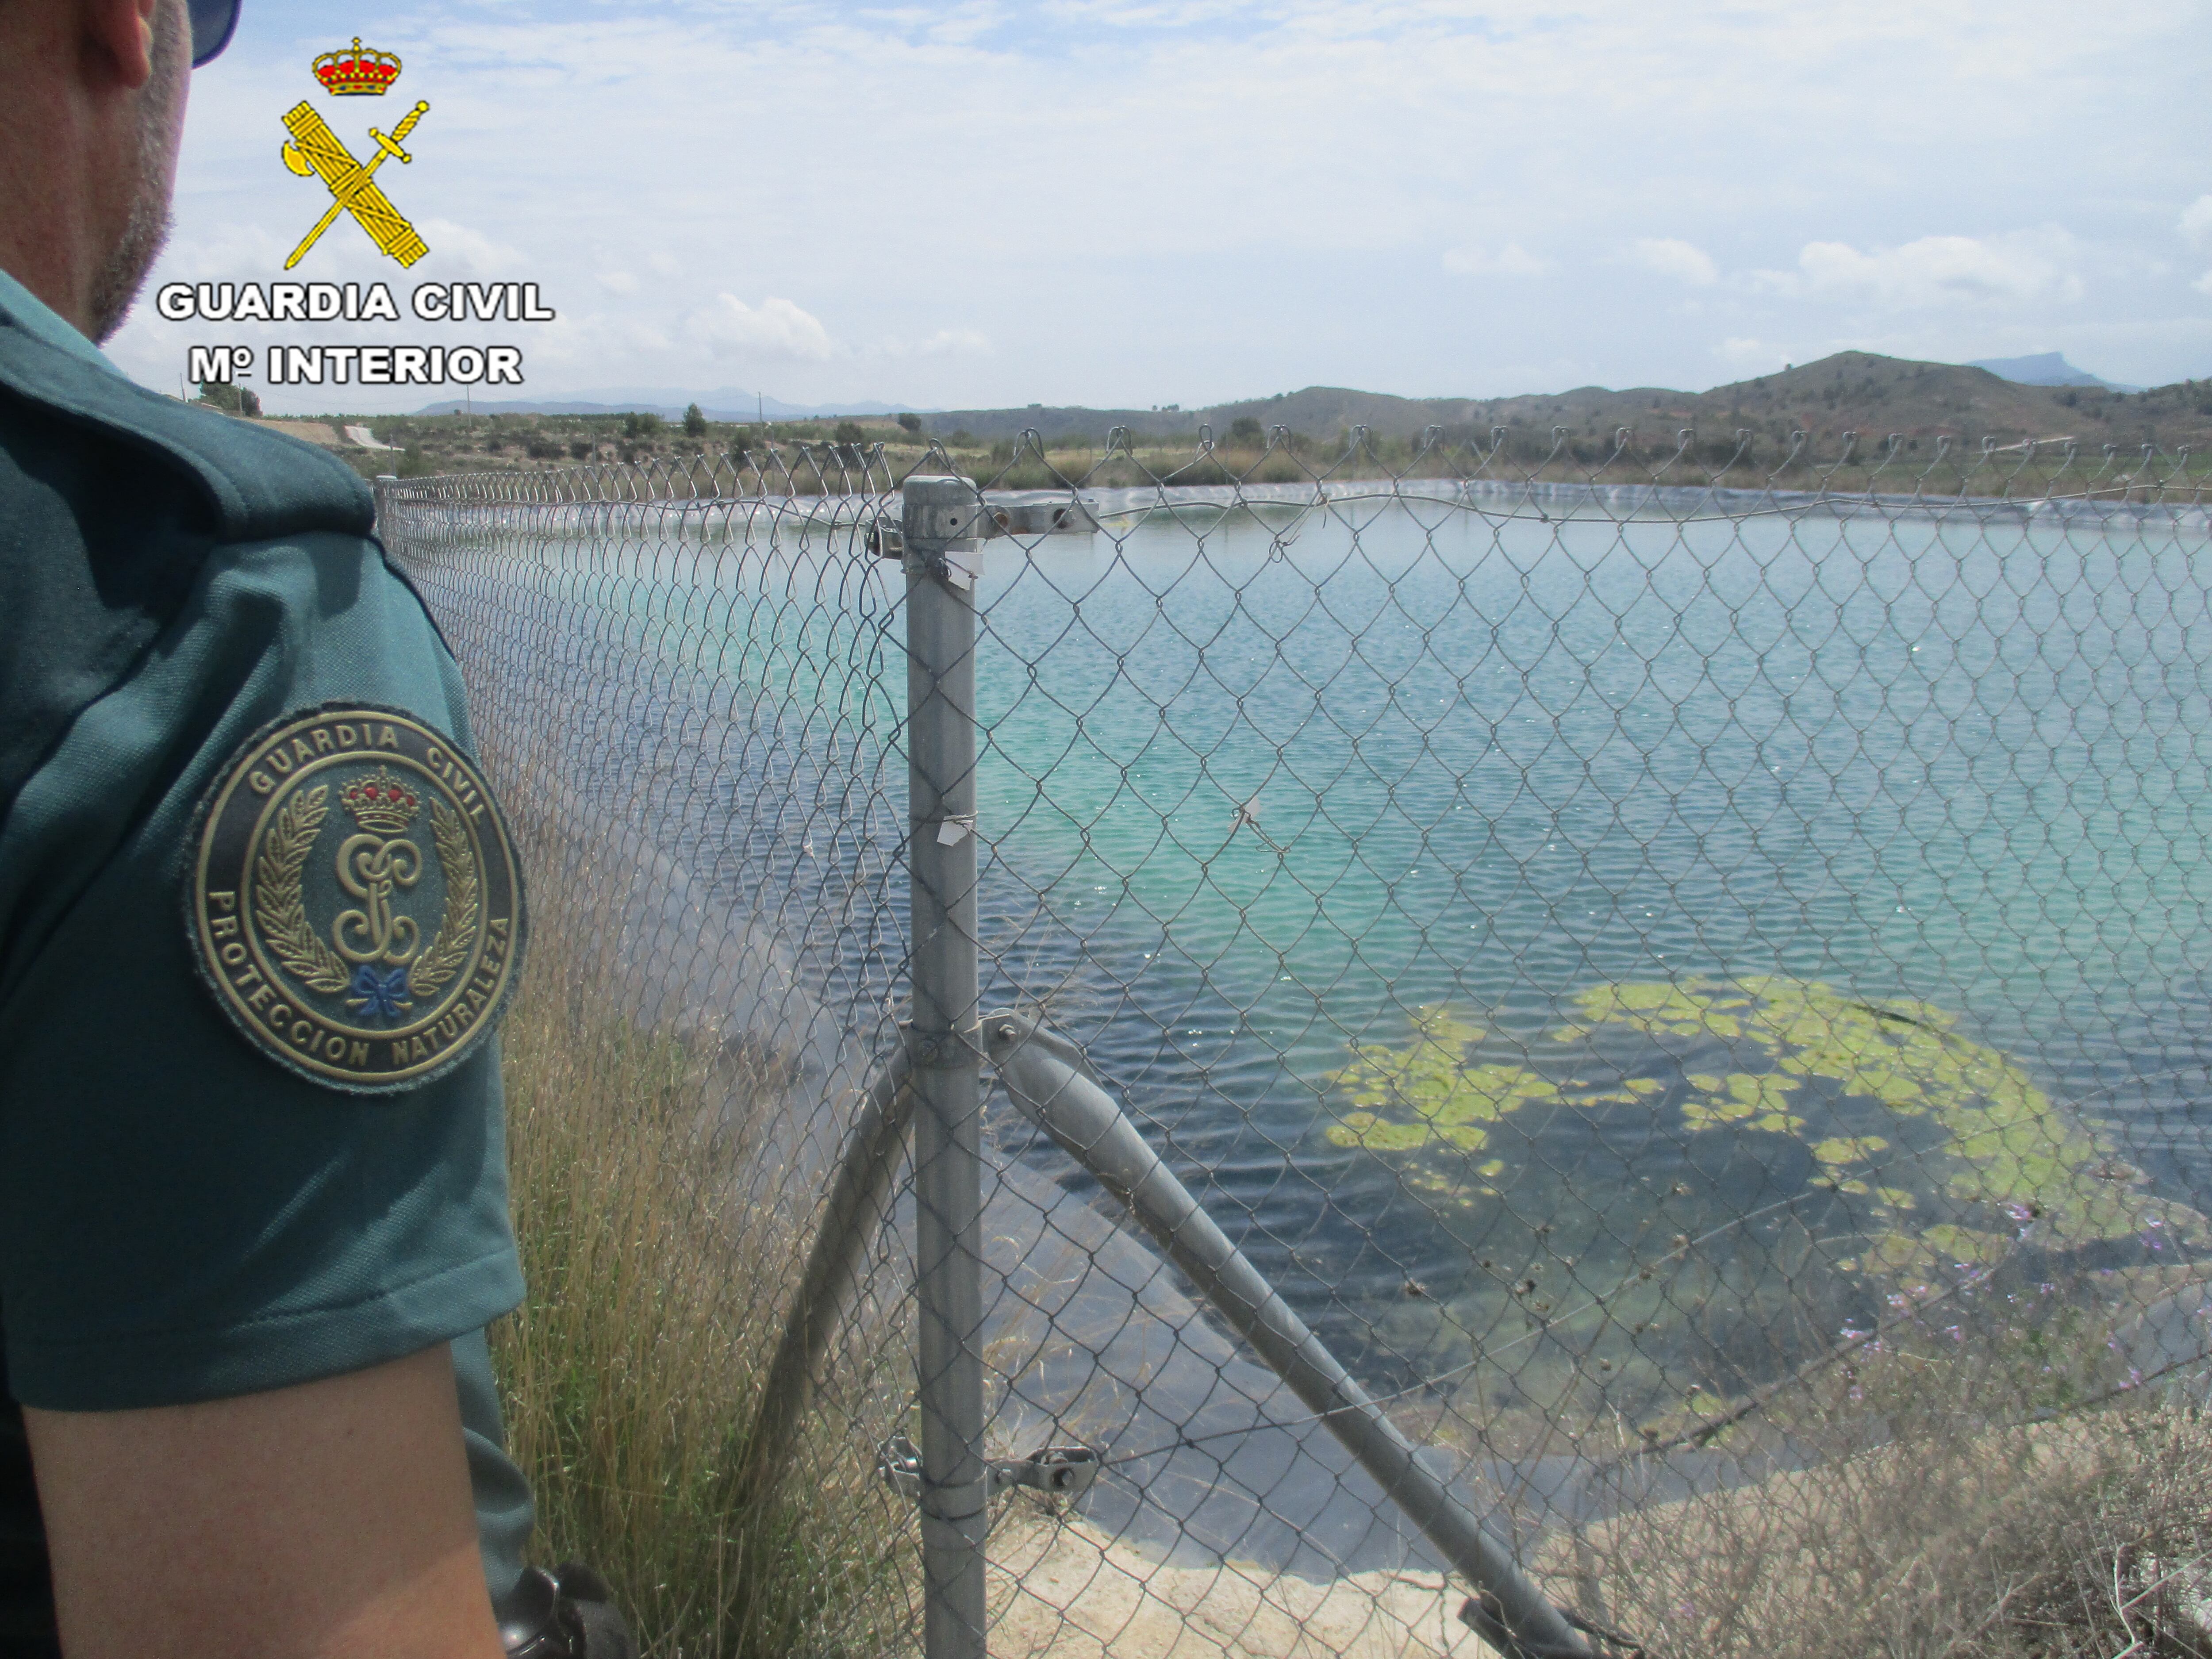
328,1520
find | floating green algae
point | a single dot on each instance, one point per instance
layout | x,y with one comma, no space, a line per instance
1913,1152
1430,1091
1674,1192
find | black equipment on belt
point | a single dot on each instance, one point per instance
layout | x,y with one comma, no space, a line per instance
567,1614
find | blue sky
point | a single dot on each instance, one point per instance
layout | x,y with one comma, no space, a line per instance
1137,202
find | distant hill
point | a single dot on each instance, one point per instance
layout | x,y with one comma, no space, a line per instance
726,402
1852,391
2046,368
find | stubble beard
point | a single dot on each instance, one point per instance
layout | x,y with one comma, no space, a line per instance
123,273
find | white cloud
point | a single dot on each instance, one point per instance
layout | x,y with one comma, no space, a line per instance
1669,256
2196,225
1745,353
2019,265
2203,284
774,328
476,254
553,123
943,342
1511,260
952,339
779,330
632,337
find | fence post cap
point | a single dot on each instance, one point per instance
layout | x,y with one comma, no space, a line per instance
939,509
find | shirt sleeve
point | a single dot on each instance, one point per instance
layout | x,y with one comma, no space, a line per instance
181,1216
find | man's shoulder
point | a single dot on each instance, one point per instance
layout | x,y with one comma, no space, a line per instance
115,506
253,484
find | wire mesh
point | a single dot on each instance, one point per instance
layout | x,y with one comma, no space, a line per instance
687,706
1687,968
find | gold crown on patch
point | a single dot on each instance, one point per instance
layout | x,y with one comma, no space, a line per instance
355,71
380,802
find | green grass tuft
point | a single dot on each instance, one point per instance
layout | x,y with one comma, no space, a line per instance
629,1377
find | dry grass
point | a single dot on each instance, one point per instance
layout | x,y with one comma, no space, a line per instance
1927,1529
629,1375
1959,1504
1925,1532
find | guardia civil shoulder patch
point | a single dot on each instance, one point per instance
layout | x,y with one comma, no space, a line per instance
356,902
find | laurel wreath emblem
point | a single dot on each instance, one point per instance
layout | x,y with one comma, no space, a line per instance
280,914
280,911
455,937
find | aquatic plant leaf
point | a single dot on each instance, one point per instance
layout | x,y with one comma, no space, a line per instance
1939,1152
1430,1091
1850,1149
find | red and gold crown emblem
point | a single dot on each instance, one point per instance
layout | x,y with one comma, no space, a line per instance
356,71
380,802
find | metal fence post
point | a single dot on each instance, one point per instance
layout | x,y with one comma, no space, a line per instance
938,526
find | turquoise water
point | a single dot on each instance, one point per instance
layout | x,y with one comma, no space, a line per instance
1495,762
1486,768
1497,757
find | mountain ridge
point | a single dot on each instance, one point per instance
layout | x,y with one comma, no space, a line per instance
726,402
1864,393
2046,368
1861,391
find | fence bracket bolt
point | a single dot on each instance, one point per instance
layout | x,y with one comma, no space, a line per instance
960,1048
1063,1471
899,1462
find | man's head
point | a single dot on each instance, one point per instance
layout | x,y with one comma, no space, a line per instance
92,106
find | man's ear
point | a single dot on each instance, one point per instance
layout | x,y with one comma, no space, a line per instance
118,39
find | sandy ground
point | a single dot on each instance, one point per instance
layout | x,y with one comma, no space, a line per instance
1061,1587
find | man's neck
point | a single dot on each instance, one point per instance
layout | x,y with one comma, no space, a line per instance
68,162
57,268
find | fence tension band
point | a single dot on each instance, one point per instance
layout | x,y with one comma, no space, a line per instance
964,1047
1050,1083
955,531
1062,1471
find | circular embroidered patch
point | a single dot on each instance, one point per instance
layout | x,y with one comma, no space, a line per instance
356,903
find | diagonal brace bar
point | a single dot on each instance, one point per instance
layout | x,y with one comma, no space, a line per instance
858,1207
1046,1076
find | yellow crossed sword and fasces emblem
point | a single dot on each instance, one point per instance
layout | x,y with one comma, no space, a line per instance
314,148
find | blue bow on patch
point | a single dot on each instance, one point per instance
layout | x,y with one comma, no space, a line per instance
380,994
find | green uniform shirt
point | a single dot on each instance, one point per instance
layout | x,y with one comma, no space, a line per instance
182,1216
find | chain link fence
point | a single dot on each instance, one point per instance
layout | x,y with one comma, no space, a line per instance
1688,972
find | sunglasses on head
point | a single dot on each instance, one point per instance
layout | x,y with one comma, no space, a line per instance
212,23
